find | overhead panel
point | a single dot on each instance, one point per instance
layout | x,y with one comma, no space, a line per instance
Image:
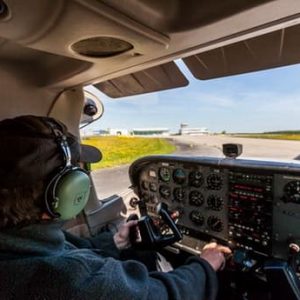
175,16
275,49
38,67
159,78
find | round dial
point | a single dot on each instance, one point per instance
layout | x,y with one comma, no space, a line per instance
292,191
196,198
215,202
179,194
152,187
165,191
179,176
196,217
196,178
214,181
164,174
145,185
215,224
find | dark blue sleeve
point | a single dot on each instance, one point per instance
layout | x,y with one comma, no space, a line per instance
117,280
102,243
194,280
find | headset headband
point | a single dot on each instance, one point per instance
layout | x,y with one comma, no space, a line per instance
61,139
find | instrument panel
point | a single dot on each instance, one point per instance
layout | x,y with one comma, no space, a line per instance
248,204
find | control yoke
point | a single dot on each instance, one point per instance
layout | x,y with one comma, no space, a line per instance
151,237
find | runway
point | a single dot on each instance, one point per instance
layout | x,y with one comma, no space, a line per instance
115,180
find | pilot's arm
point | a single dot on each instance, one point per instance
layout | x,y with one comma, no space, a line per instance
196,279
105,243
108,278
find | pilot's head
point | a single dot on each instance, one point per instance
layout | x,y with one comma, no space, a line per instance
33,153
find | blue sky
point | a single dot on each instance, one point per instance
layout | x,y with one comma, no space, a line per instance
254,102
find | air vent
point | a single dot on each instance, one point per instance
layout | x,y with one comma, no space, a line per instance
101,47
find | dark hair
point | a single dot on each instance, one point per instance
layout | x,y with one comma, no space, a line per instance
30,155
30,151
21,205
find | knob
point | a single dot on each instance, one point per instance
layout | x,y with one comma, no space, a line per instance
133,202
294,248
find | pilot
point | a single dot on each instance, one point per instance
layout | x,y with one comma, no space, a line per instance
37,260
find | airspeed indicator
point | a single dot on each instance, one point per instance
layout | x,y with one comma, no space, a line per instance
164,174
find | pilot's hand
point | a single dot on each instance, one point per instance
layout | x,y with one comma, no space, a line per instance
214,254
121,238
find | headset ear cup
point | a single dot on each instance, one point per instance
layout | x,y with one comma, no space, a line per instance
71,193
50,199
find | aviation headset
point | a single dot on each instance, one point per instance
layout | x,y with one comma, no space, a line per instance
68,191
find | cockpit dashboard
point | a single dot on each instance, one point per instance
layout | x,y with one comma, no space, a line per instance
249,205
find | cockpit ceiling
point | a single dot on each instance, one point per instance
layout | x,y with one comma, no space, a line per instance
154,79
275,49
61,44
169,16
38,67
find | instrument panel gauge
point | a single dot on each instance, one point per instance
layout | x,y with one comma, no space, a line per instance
152,187
215,202
215,224
196,198
165,191
179,194
164,174
145,185
292,192
196,178
214,181
179,176
197,217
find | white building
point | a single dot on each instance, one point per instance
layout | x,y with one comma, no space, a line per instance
118,131
86,132
185,130
151,131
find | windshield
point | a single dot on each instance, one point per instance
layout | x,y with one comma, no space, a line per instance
258,110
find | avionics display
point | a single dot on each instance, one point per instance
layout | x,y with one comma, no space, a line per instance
250,211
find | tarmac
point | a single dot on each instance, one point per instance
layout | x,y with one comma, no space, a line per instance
116,180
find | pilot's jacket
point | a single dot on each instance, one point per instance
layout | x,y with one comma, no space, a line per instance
36,262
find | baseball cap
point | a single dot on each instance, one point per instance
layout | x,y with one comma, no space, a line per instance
89,154
30,152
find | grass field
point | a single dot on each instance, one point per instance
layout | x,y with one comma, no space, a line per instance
118,150
287,136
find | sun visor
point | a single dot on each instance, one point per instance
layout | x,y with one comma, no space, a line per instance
159,78
275,49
